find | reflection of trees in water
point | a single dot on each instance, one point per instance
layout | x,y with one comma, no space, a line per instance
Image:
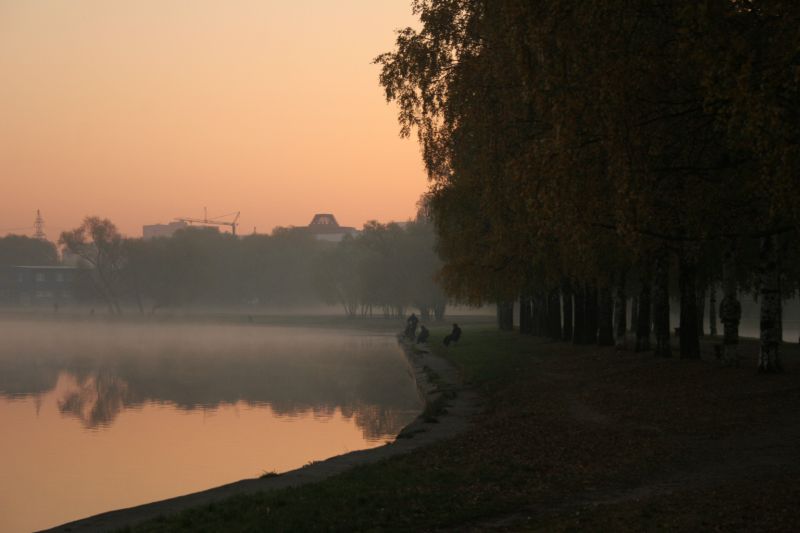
377,422
294,375
97,399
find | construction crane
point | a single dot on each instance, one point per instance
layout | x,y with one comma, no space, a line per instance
214,221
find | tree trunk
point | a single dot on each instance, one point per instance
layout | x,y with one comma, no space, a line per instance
769,359
643,317
661,306
547,323
579,327
138,294
566,303
505,316
620,313
590,315
689,338
701,308
525,315
730,310
554,314
712,310
635,313
605,311
104,287
541,303
424,313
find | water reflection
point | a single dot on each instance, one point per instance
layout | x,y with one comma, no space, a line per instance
95,400
99,371
126,414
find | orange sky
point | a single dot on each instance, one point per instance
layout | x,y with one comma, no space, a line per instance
143,111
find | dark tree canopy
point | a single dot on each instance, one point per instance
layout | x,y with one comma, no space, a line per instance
572,142
18,250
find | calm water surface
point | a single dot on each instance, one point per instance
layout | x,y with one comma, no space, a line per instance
98,417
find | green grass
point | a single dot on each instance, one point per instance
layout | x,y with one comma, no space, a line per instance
485,355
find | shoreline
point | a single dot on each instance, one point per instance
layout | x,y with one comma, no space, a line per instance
439,385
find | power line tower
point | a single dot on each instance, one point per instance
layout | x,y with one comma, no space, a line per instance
38,227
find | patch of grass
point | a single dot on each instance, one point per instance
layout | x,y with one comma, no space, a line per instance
268,474
485,355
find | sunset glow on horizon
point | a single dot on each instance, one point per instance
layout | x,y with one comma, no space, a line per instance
146,111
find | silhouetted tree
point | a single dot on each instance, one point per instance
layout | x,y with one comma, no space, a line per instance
99,244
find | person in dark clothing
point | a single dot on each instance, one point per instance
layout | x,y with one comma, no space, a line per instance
423,334
411,327
454,335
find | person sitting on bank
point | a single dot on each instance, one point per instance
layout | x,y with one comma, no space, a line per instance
411,327
423,335
454,335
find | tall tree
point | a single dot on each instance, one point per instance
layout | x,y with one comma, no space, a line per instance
98,242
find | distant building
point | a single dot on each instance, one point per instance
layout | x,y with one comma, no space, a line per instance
324,227
162,230
31,285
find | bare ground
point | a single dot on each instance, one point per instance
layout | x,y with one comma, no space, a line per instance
661,444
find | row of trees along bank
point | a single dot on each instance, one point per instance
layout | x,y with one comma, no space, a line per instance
386,269
583,153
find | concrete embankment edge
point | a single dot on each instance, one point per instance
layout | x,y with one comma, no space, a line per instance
434,377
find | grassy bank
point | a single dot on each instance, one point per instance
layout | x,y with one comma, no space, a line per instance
571,438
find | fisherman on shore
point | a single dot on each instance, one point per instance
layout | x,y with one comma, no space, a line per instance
423,335
411,327
454,335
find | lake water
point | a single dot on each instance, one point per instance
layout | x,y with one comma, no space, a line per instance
102,416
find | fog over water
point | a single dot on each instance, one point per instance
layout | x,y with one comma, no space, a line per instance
98,416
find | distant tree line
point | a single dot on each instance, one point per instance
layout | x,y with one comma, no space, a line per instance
386,269
588,154
19,250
